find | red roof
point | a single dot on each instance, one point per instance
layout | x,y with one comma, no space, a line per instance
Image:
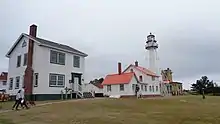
3,76
123,78
144,70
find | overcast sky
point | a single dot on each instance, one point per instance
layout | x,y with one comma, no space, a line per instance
114,30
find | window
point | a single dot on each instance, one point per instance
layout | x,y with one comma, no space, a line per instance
122,88
19,61
153,88
150,88
4,83
35,79
140,78
17,82
11,84
142,87
57,57
109,88
56,80
133,87
24,44
25,59
131,70
156,88
153,78
76,61
145,87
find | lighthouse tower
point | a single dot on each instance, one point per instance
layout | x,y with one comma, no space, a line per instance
151,46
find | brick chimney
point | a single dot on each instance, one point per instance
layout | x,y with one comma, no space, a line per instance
33,30
28,77
136,63
119,68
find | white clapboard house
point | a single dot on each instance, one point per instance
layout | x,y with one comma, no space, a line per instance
44,67
124,83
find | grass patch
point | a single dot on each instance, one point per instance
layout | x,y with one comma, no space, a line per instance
9,104
176,110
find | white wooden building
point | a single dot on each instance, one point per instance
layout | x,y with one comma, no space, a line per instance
90,87
124,83
44,67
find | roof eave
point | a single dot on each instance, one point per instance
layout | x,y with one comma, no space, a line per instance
45,45
14,45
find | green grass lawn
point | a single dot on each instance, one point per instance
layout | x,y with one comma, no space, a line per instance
176,110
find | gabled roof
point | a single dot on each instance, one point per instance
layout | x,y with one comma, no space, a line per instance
123,78
47,43
4,76
142,69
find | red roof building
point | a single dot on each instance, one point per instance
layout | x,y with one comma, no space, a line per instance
124,83
3,81
3,76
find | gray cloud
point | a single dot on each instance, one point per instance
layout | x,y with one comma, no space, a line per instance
111,31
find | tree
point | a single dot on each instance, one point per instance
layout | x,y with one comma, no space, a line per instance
204,84
97,81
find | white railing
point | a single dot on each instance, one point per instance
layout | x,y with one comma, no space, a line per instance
79,88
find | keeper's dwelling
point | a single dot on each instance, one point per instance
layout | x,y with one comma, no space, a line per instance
124,83
3,81
44,67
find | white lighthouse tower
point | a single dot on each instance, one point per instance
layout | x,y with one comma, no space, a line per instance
151,46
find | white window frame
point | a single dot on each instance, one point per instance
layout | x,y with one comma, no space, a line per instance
109,88
141,78
145,88
56,80
133,87
157,88
18,64
36,78
121,87
57,61
74,61
25,59
17,82
11,84
153,88
4,83
142,87
24,44
153,78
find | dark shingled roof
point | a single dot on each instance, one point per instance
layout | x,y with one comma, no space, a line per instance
47,43
54,44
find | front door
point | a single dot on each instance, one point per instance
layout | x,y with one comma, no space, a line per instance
76,80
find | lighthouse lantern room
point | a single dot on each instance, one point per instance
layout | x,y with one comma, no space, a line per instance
151,46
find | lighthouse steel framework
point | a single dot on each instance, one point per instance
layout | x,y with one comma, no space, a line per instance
152,46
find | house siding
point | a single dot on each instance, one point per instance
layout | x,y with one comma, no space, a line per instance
43,67
115,89
146,80
13,70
